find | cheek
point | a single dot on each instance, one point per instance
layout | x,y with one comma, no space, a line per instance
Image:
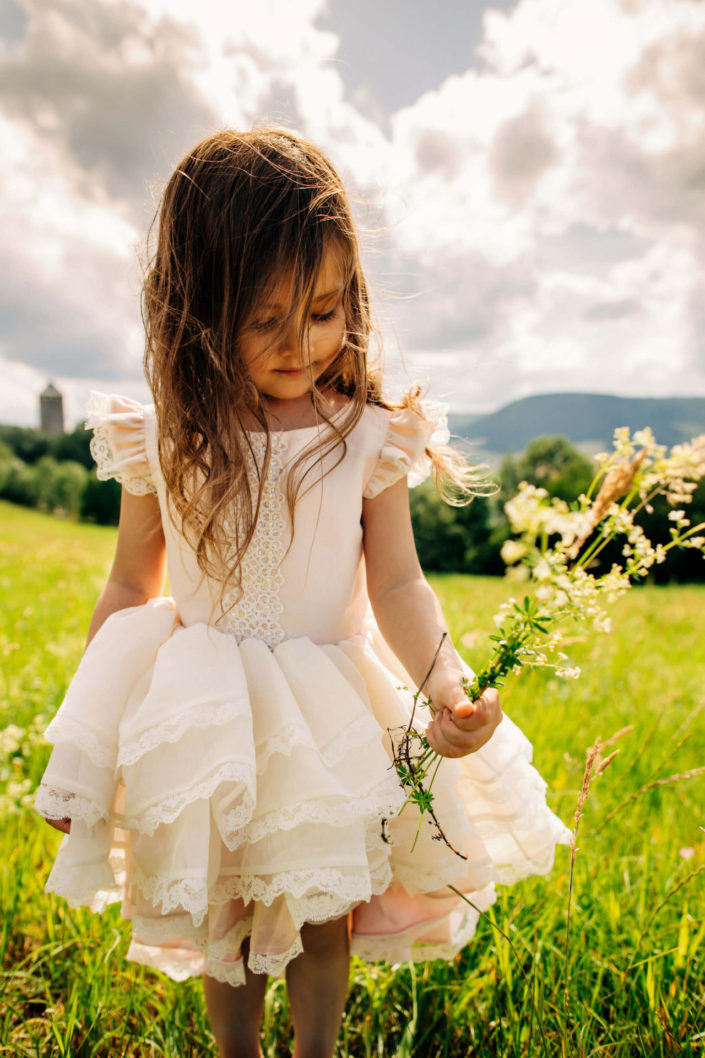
332,341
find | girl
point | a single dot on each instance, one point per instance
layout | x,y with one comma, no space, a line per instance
221,761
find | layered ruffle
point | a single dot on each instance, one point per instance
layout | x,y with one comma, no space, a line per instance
223,790
410,433
118,444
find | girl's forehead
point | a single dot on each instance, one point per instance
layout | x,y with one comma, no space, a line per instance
330,281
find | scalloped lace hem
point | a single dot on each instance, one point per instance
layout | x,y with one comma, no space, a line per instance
383,800
57,804
317,894
204,960
359,732
272,965
174,894
68,729
173,728
79,887
167,810
321,892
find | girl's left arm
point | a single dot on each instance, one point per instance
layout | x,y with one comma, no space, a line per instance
411,620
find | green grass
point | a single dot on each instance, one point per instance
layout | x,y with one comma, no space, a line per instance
634,971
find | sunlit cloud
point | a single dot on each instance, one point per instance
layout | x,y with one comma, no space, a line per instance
536,219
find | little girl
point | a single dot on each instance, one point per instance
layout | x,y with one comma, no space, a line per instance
221,761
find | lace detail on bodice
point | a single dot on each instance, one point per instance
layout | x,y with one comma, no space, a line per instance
256,614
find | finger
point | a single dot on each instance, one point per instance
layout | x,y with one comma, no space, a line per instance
448,740
464,708
487,710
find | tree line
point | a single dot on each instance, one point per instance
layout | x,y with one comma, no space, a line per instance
57,475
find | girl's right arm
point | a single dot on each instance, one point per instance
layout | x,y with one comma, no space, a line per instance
138,571
139,567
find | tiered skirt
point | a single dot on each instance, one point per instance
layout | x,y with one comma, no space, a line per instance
222,790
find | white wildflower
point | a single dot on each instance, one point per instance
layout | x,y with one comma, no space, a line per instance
11,739
512,551
568,673
542,570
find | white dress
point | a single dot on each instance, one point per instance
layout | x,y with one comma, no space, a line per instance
230,777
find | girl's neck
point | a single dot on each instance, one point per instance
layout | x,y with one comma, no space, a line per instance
300,413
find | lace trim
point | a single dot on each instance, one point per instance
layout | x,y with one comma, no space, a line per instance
167,810
174,894
98,411
68,729
211,957
231,973
178,967
79,887
173,727
319,893
205,959
359,732
60,804
274,965
256,614
383,800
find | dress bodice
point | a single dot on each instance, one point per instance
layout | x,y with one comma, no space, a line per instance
302,580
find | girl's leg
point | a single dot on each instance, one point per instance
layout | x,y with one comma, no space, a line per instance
235,1013
317,983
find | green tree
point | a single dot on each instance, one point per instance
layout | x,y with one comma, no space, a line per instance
60,485
73,446
28,444
19,483
452,539
101,501
551,463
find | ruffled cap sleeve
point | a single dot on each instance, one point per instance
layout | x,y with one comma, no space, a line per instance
118,444
410,434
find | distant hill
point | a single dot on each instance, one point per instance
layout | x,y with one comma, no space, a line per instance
586,419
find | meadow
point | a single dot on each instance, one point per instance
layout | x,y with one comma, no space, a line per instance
628,979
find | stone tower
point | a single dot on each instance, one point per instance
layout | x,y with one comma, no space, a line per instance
51,410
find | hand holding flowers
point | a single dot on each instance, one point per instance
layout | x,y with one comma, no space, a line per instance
554,552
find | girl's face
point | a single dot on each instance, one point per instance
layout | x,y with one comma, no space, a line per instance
280,365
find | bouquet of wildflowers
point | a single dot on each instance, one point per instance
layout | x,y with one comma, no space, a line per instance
554,549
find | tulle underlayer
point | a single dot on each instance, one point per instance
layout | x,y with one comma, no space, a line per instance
221,791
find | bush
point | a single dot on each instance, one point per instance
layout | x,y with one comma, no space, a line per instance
18,483
74,446
60,485
28,444
101,501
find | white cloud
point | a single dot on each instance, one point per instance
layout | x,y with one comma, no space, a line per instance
542,214
577,150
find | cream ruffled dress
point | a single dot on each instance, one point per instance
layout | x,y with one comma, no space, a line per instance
229,778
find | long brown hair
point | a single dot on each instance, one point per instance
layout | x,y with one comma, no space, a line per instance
241,210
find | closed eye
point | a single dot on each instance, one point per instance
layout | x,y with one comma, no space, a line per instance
318,317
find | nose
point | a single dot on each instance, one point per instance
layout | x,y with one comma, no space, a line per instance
290,344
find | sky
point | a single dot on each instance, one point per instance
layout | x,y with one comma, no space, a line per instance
528,180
